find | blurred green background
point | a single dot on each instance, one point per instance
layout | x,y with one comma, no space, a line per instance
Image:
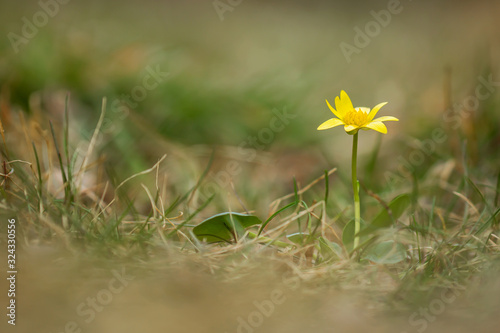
225,71
230,64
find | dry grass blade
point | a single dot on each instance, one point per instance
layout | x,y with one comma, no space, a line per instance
464,198
277,202
156,165
92,144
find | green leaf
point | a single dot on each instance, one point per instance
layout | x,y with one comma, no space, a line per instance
397,207
223,227
329,249
348,235
387,252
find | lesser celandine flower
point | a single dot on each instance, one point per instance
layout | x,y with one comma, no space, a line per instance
353,120
357,118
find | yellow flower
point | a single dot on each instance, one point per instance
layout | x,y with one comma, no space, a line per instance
357,118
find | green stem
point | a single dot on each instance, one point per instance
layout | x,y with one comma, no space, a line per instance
355,188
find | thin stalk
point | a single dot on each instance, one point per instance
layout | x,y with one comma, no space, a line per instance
355,188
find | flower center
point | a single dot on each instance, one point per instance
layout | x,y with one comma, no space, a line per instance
356,118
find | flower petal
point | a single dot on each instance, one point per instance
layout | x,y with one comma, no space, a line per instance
350,128
330,123
335,112
364,109
386,118
377,126
374,111
343,104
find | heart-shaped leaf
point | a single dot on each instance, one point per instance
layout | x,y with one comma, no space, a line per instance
387,252
384,219
224,227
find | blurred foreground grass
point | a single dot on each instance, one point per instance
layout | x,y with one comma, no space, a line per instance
209,136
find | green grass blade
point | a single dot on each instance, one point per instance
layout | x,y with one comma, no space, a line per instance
372,162
66,140
291,204
189,194
190,217
40,180
67,185
488,222
497,193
